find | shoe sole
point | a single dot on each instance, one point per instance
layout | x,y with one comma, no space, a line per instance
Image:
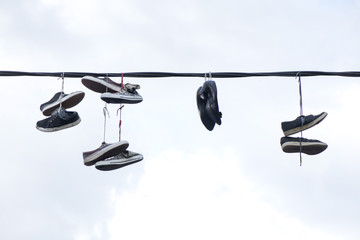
110,98
99,85
109,151
309,148
306,126
68,101
59,128
114,164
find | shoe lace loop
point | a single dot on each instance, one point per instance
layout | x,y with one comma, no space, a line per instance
120,121
106,112
298,76
62,77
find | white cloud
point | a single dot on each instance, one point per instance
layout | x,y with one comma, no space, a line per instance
201,195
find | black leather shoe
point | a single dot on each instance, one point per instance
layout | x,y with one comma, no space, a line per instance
208,107
201,104
212,106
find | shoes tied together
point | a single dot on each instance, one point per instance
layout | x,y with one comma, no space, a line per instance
59,118
113,92
111,156
297,145
207,103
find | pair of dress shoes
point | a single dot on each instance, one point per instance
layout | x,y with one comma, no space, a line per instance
207,103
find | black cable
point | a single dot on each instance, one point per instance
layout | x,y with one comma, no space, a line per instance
171,74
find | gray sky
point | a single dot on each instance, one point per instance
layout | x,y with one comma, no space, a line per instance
234,182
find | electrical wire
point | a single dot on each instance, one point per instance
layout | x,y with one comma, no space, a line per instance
172,74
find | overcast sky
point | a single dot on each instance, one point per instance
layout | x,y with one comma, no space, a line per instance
231,183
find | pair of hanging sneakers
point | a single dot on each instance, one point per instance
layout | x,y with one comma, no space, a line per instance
207,103
302,145
111,156
59,118
113,92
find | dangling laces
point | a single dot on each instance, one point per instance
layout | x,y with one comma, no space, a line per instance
208,77
120,107
298,75
105,110
120,122
122,81
62,77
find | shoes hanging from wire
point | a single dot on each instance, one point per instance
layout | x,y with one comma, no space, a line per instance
55,108
207,104
113,92
301,145
115,155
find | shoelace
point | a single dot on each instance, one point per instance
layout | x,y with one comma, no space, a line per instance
298,75
62,77
120,121
121,106
105,111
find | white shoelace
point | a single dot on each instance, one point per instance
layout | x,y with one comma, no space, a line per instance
301,114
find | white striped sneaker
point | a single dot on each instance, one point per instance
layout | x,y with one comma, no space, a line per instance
121,160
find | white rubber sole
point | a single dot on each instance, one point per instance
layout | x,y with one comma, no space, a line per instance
120,98
109,151
107,165
310,148
99,85
59,128
68,101
306,126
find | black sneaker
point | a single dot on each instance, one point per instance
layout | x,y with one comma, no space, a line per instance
123,159
101,85
212,106
201,104
104,151
59,119
301,123
308,146
127,95
66,100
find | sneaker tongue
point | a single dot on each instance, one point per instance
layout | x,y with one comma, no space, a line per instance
131,88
